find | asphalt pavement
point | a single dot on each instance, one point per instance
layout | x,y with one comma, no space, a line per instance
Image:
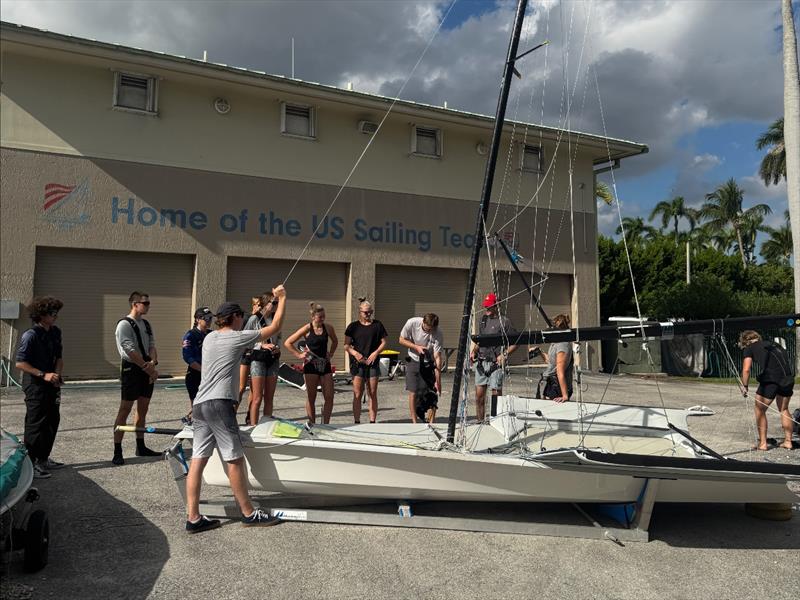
118,532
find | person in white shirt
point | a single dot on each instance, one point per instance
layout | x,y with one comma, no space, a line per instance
418,335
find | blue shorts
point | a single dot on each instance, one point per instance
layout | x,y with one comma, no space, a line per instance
260,369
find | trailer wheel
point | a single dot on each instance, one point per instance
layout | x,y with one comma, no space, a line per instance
37,541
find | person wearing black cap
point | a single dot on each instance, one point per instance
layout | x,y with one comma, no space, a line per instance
192,349
214,417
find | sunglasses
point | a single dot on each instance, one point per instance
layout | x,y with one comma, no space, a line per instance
366,312
53,313
145,303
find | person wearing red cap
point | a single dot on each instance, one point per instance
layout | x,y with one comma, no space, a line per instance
490,362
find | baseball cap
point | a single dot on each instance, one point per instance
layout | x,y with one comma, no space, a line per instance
490,300
203,313
228,308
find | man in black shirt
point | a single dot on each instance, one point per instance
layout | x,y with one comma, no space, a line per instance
39,358
776,382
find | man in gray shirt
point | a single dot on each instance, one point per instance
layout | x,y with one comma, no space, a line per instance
418,335
490,362
137,351
214,415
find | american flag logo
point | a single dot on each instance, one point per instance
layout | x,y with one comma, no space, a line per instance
55,193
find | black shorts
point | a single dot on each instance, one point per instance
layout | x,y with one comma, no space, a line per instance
192,383
769,390
135,382
317,367
247,358
364,370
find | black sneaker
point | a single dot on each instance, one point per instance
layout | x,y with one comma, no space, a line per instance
118,460
53,464
260,518
40,470
145,451
202,524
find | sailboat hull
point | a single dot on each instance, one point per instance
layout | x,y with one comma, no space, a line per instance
402,462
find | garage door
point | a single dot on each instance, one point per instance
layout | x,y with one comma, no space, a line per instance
555,296
95,285
405,292
311,281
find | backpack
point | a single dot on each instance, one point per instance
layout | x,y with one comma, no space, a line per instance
138,334
782,358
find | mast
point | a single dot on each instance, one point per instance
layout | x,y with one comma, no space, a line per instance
486,194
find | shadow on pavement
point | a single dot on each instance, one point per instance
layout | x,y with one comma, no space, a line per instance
100,547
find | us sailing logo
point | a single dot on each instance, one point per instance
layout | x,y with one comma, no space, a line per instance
66,205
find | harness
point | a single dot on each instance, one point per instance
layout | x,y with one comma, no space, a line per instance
135,327
495,365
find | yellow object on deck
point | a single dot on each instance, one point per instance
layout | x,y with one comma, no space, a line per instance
287,430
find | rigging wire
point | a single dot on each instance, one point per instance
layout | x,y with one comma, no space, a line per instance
369,142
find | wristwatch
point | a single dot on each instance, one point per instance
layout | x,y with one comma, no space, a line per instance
40,374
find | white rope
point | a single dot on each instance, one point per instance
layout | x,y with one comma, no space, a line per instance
369,142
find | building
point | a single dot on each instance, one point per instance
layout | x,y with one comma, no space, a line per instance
125,169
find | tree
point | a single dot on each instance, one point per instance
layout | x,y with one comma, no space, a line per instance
778,248
773,165
636,230
673,210
724,211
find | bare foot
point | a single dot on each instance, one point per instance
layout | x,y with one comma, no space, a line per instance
760,448
786,446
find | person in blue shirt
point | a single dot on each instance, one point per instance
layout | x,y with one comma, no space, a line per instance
193,354
39,357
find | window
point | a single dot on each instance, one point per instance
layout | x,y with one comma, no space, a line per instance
531,158
426,141
136,93
298,120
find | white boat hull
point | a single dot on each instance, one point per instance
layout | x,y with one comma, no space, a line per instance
402,462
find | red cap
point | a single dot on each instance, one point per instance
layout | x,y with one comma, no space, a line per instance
490,300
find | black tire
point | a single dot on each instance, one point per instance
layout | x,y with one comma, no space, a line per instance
37,541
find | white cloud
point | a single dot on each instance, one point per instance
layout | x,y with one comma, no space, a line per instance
705,162
664,68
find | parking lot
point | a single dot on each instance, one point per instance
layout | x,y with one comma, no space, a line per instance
117,532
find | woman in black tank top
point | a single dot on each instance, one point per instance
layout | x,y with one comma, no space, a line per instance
316,356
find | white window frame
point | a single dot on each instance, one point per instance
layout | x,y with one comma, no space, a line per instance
152,93
523,148
439,141
312,120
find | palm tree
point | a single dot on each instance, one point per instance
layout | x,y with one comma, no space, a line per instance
636,230
672,210
773,165
603,192
723,210
752,223
778,248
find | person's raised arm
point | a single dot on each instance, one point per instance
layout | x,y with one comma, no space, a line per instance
277,320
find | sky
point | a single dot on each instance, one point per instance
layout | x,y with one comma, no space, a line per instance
696,80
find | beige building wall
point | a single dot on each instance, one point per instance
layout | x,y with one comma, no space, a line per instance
193,182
